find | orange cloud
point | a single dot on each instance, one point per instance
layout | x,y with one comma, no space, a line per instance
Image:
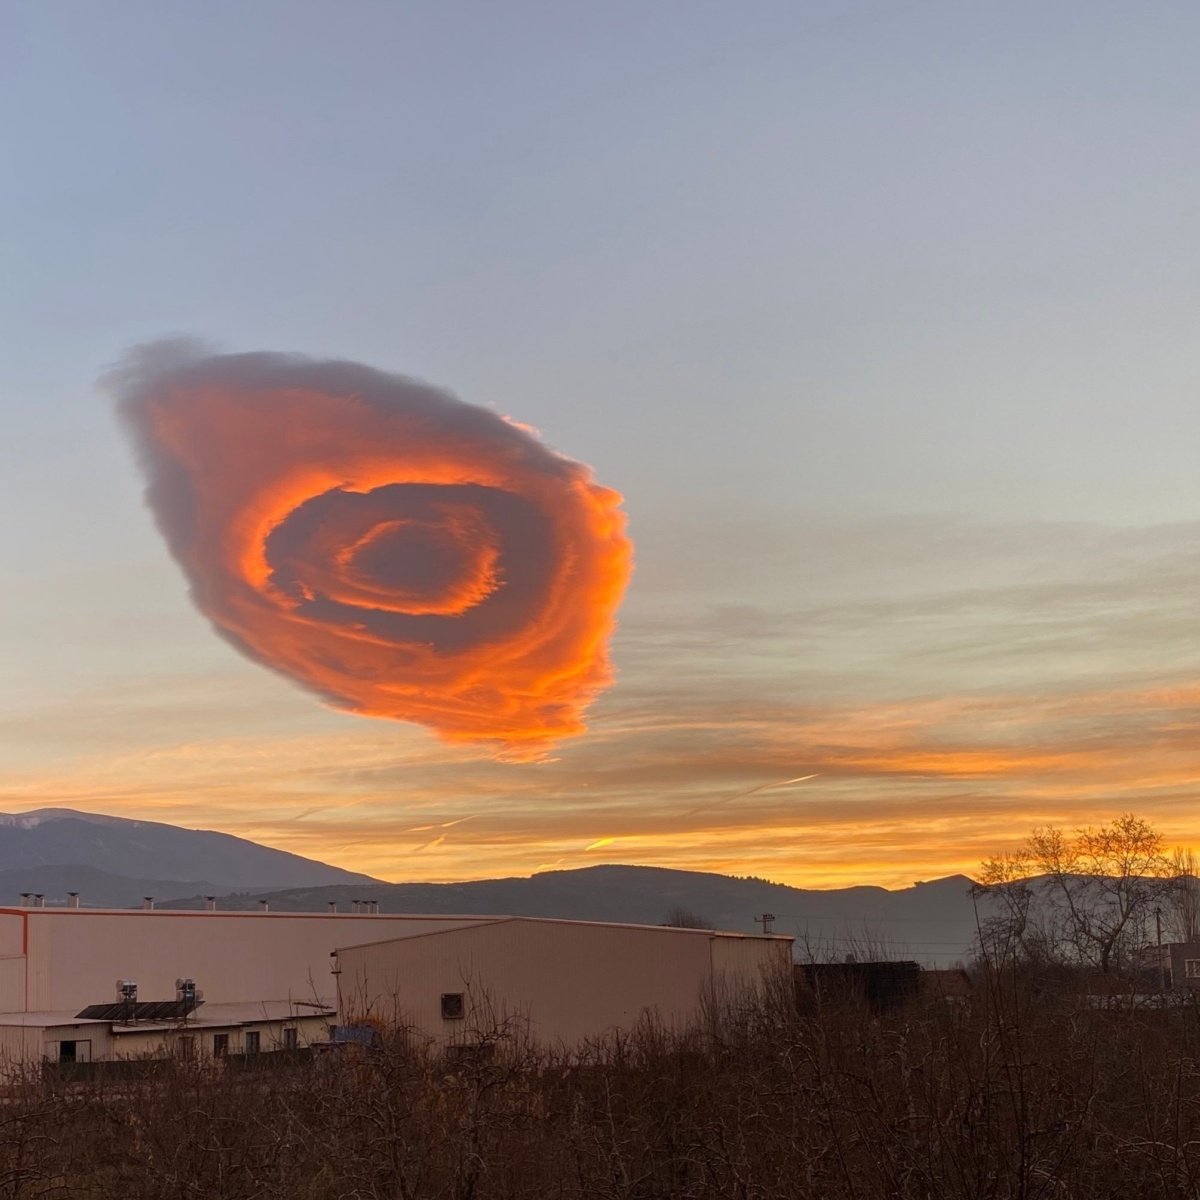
400,553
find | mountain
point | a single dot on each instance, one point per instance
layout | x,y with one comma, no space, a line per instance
165,859
97,889
114,862
933,922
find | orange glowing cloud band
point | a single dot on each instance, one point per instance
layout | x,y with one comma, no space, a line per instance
399,552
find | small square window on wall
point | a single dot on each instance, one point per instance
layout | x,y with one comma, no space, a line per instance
1191,968
252,1041
454,1006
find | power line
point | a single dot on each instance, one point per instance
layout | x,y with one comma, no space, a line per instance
868,917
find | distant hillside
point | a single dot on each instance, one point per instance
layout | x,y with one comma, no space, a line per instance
97,889
179,859
932,922
114,862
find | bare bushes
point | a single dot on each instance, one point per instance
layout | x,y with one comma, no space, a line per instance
1018,1093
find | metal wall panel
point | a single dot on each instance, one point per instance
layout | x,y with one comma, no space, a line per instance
12,926
135,1043
12,983
19,1045
563,981
25,1045
77,955
749,958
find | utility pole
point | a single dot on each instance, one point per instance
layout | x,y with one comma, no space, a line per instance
1162,966
766,920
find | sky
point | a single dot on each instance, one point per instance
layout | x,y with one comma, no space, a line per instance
881,317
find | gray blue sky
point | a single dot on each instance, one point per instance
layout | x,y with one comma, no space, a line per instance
881,316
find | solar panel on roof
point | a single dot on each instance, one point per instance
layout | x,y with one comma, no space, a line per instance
140,1010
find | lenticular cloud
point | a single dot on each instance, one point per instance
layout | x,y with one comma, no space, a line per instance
395,550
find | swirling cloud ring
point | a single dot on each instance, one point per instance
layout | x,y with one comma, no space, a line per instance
399,552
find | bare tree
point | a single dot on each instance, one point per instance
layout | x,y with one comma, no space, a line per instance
1091,893
1007,931
1184,895
684,918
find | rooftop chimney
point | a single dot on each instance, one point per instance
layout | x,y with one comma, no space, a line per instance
333,906
24,899
374,906
72,899
147,903
39,901
263,906
210,902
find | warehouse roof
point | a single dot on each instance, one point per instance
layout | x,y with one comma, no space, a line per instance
476,922
59,910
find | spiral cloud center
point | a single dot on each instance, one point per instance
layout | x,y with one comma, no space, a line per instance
393,549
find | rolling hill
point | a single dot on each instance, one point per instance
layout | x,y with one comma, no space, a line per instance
115,861
158,858
933,922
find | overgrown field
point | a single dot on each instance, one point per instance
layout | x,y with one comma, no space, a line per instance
1016,1094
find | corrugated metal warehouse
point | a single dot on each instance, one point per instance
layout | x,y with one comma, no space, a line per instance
266,977
563,981
274,980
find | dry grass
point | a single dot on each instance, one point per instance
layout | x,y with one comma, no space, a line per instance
1019,1094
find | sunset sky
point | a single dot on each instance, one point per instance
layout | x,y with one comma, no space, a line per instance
882,317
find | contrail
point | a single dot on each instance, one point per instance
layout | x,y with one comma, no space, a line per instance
443,825
762,787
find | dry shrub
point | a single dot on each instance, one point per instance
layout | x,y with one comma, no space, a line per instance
1022,1092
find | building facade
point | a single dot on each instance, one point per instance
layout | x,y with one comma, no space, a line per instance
267,978
1185,966
280,981
559,982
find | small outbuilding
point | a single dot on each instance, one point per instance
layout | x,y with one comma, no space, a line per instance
211,1032
952,984
882,986
561,982
1184,966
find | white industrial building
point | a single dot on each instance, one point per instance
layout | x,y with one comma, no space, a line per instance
559,982
276,980
266,978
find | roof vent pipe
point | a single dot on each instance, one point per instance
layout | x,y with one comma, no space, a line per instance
24,899
333,906
39,901
72,899
263,906
147,903
375,907
354,905
210,902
